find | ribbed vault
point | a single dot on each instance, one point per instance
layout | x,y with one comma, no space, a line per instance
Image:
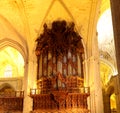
22,20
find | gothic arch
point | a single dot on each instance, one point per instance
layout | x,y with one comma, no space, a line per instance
12,43
9,36
110,90
6,85
108,104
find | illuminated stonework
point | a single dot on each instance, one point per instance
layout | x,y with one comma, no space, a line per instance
11,62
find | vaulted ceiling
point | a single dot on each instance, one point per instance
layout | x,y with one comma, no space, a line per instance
26,17
23,20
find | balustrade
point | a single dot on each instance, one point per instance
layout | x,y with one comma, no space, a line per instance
11,101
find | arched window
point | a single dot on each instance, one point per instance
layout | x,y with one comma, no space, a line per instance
8,71
113,103
11,62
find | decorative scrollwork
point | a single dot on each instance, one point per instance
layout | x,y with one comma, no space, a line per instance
58,40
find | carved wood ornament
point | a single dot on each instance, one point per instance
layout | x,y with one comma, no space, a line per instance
59,75
59,39
59,45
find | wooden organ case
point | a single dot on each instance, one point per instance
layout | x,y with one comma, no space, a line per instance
60,78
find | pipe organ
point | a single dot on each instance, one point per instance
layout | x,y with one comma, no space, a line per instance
60,76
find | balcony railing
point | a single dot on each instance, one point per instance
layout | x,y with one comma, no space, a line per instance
11,101
10,94
82,90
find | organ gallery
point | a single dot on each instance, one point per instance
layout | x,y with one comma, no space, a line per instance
60,77
59,56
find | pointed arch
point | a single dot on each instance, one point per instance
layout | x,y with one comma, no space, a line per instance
9,36
12,43
6,86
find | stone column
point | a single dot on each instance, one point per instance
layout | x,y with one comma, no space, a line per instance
94,79
107,108
96,99
117,92
29,82
115,9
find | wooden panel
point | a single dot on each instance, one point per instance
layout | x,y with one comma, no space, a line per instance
12,101
56,100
